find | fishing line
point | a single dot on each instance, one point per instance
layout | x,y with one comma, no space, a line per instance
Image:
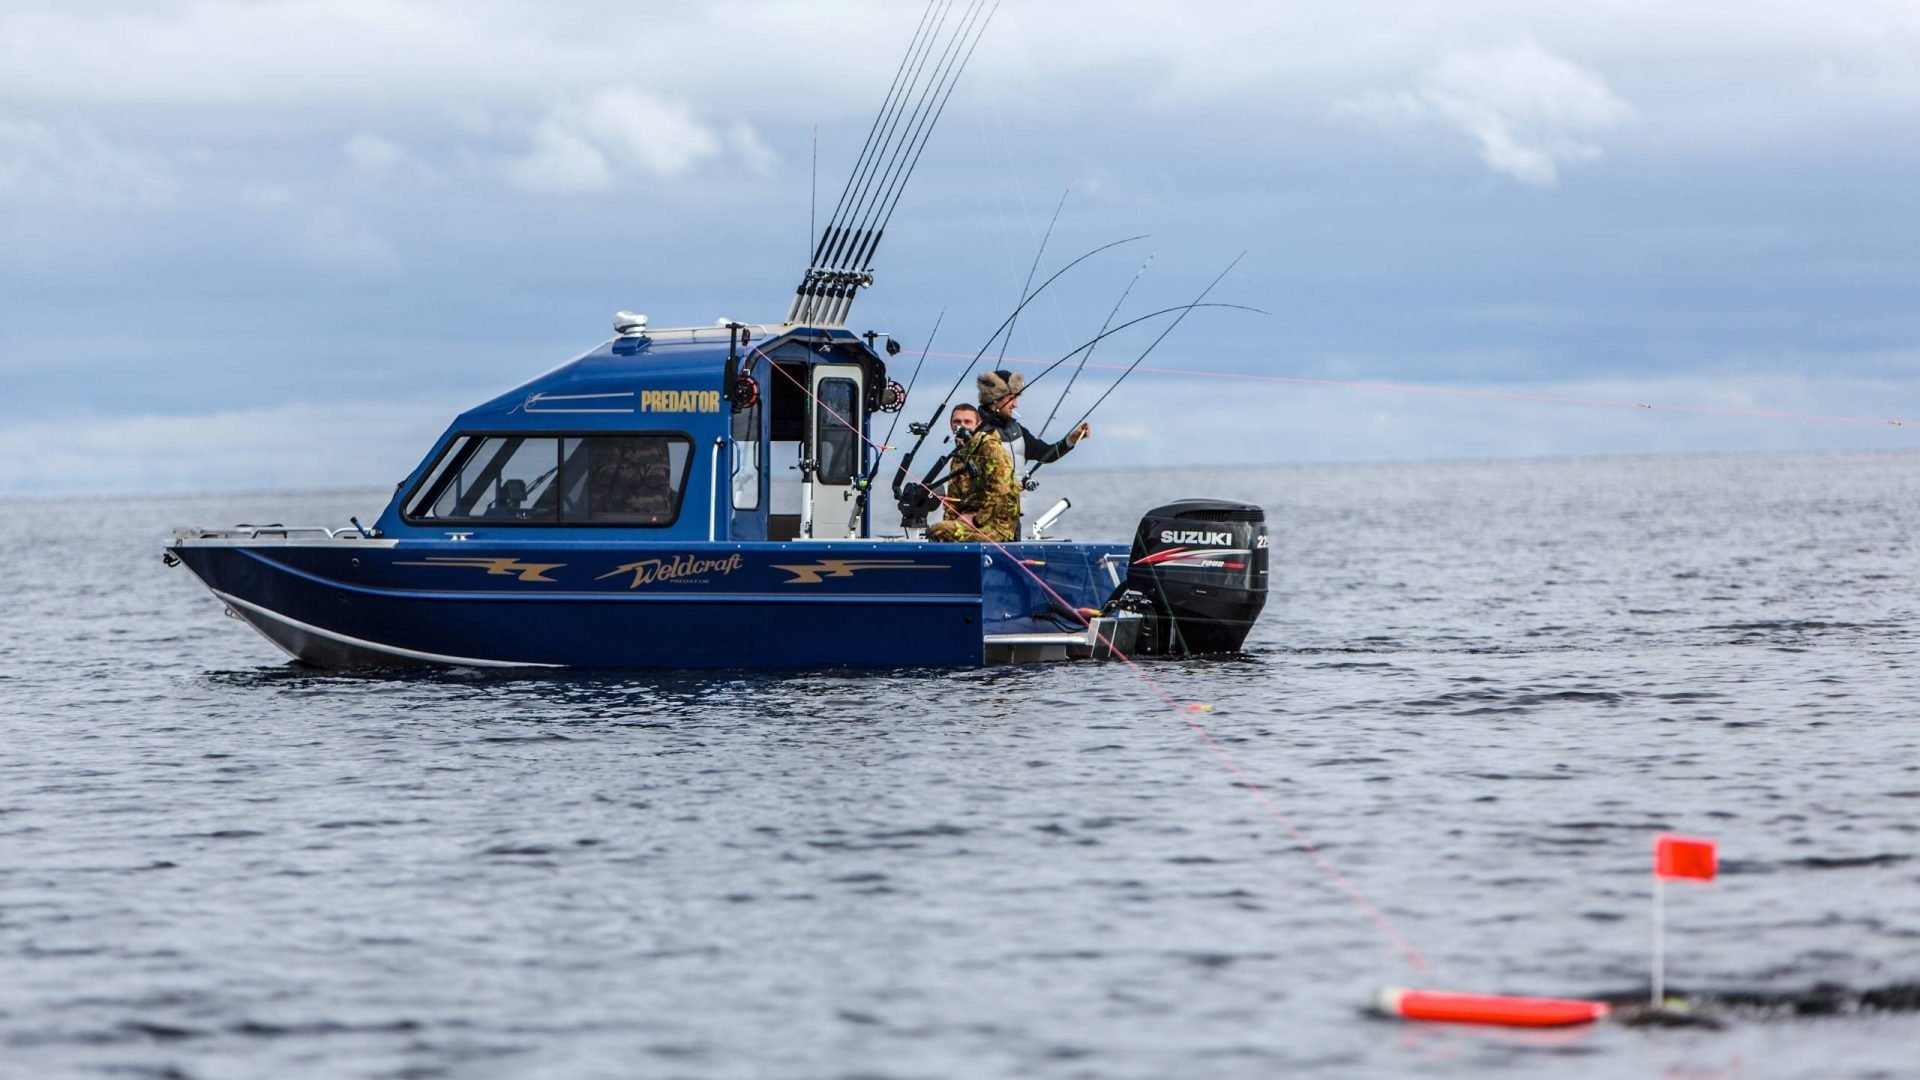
996,89
1186,711
1062,399
1156,343
1016,311
1503,395
907,394
933,420
1034,266
1129,324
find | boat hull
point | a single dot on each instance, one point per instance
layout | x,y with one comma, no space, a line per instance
346,603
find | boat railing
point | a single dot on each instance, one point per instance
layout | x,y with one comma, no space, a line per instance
282,532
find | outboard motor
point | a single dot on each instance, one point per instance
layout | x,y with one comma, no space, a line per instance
1198,577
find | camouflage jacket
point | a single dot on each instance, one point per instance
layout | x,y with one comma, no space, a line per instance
985,487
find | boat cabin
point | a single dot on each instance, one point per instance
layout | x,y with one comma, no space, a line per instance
732,432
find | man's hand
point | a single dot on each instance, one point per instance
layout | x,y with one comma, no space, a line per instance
1081,432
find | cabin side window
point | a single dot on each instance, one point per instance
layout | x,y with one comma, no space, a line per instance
557,480
624,479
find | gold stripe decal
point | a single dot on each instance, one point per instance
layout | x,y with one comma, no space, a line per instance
505,567
814,573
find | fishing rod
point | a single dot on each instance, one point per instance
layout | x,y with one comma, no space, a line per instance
907,394
922,498
923,83
922,429
1048,370
1028,284
945,93
886,156
1062,399
887,106
1149,351
876,210
851,192
865,483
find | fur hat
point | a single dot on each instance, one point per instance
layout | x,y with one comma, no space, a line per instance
995,385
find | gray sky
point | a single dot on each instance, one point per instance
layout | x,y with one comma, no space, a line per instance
254,244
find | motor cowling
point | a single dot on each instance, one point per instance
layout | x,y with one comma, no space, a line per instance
1198,575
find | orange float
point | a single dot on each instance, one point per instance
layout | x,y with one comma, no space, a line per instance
1497,1009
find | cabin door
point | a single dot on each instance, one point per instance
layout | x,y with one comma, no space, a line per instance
838,451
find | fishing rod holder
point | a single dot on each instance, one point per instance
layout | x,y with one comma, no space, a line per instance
859,279
1045,521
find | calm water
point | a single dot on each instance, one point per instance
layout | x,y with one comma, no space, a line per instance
1481,688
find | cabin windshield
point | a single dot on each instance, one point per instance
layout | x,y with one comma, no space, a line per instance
556,479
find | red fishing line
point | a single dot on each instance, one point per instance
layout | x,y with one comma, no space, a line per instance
1186,712
1499,395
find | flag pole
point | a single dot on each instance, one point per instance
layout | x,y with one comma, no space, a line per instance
1659,942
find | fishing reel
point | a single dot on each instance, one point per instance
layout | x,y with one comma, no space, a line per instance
893,397
744,393
916,503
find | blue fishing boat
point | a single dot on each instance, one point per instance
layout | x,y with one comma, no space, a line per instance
702,498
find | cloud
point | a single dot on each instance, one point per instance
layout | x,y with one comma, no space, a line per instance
580,145
753,152
227,450
1277,423
561,162
1530,110
334,240
375,159
75,164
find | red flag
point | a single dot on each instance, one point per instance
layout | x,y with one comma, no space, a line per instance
1683,857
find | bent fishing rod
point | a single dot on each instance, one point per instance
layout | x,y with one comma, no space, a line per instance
927,483
1148,352
1032,269
922,497
1111,315
921,430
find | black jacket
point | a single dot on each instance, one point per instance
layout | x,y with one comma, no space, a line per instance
1025,445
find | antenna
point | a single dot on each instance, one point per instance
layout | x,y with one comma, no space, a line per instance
813,195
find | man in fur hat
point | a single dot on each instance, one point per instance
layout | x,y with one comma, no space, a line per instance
999,397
